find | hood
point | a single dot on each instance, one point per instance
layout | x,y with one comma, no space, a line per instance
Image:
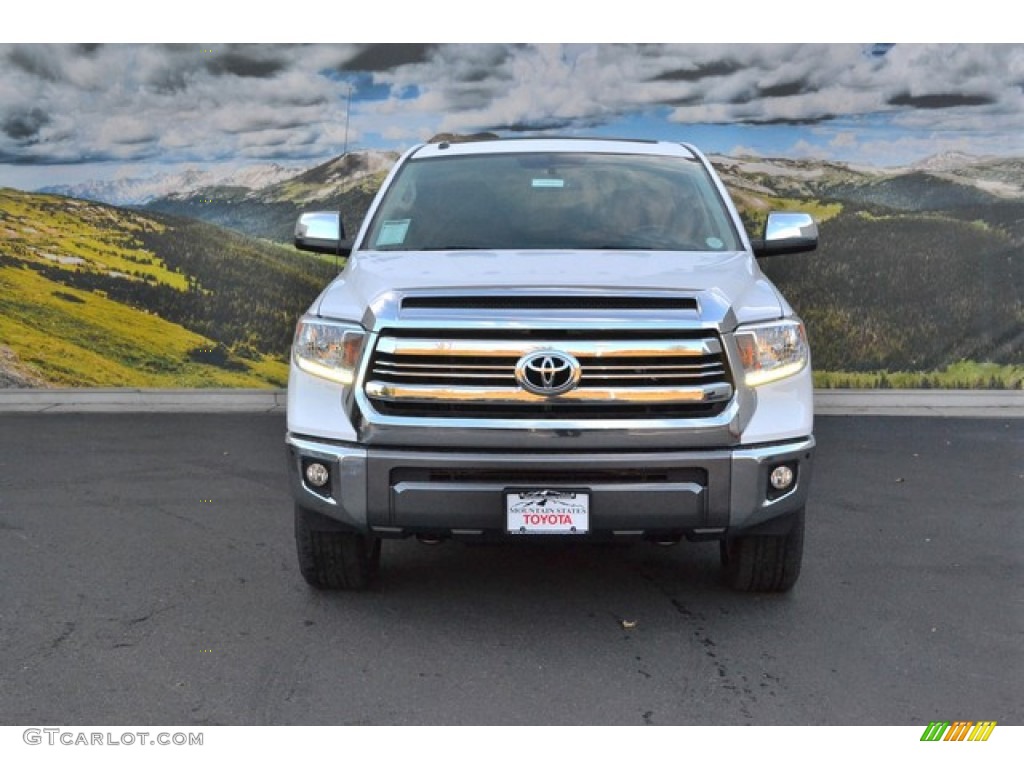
733,279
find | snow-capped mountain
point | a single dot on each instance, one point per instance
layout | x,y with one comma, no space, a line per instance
269,210
948,161
139,191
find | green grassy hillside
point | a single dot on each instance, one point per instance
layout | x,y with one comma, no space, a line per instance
92,295
916,292
918,282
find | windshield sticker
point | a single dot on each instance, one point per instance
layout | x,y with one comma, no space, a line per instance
714,242
393,232
548,183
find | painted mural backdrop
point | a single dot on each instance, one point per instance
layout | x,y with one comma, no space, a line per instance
148,192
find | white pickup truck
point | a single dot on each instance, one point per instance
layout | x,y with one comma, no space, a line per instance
544,337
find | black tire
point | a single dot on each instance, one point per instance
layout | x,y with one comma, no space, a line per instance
335,559
764,563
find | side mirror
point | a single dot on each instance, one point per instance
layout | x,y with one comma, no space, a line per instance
787,233
322,232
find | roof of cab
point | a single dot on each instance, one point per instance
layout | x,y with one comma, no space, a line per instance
477,144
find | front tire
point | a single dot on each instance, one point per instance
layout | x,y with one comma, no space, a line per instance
333,559
769,563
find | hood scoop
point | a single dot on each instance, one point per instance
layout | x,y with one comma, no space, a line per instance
552,302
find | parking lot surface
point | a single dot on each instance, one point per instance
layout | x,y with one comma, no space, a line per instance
149,577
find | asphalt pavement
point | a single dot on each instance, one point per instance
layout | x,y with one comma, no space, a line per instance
148,576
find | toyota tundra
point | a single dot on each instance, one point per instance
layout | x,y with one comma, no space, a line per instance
551,337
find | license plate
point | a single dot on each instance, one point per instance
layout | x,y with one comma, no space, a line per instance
547,511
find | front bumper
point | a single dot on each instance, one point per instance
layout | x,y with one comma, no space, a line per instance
703,493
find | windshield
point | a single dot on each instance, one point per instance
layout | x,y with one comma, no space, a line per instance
552,201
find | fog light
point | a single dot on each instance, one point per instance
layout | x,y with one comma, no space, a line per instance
317,474
781,478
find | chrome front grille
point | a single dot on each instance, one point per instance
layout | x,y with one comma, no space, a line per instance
621,375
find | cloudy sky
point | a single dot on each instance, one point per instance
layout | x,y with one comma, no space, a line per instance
72,112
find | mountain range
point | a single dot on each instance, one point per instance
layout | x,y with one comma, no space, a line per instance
996,175
190,181
263,200
920,271
348,183
345,183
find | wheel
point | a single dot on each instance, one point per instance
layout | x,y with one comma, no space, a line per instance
764,563
330,559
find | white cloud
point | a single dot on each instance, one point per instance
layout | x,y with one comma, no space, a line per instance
212,103
843,139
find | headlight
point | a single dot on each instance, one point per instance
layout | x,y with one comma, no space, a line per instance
772,351
328,349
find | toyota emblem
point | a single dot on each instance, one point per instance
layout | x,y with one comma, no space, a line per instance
548,372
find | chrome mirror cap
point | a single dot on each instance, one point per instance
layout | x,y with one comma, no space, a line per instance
321,232
787,232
